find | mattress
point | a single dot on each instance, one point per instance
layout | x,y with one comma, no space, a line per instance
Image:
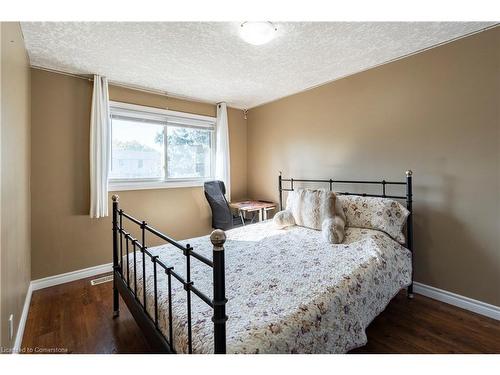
288,291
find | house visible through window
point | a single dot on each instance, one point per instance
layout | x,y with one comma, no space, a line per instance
152,145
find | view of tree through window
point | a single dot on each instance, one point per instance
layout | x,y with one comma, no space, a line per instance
138,151
188,152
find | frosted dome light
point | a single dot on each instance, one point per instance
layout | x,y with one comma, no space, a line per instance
257,33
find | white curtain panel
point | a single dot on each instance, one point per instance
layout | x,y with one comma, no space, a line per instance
222,159
100,153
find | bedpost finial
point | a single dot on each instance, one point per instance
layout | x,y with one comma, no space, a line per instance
409,172
218,237
115,198
281,173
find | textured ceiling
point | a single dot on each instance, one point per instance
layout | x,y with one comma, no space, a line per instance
208,61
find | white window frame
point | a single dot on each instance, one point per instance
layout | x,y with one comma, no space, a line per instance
166,117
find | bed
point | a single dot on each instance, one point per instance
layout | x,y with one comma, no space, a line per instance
283,290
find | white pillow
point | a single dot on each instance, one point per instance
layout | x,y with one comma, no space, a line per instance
382,214
317,209
310,207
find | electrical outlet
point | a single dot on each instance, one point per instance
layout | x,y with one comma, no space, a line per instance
11,326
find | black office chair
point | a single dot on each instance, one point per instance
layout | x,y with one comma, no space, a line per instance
222,217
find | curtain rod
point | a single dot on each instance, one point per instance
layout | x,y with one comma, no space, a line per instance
90,78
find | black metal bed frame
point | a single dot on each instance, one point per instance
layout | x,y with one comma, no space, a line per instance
149,324
408,198
121,282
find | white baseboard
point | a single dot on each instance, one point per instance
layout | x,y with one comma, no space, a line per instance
450,298
70,276
22,321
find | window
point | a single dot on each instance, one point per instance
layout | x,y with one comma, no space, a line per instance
136,144
153,148
188,152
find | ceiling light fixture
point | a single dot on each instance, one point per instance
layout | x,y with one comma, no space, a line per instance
258,33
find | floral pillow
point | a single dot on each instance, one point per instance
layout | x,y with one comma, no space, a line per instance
382,214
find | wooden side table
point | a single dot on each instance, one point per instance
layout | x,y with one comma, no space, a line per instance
248,206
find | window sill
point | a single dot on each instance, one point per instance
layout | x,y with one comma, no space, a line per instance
150,185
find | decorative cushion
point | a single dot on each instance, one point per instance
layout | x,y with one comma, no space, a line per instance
382,214
332,229
317,209
283,219
310,207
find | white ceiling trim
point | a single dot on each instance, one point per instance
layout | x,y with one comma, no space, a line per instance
88,77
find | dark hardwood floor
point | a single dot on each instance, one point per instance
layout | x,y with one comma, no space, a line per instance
76,318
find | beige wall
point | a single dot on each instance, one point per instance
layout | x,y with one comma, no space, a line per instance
15,177
64,237
437,113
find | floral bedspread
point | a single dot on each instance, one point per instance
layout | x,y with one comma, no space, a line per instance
288,291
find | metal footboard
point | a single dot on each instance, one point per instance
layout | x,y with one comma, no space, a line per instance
125,245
